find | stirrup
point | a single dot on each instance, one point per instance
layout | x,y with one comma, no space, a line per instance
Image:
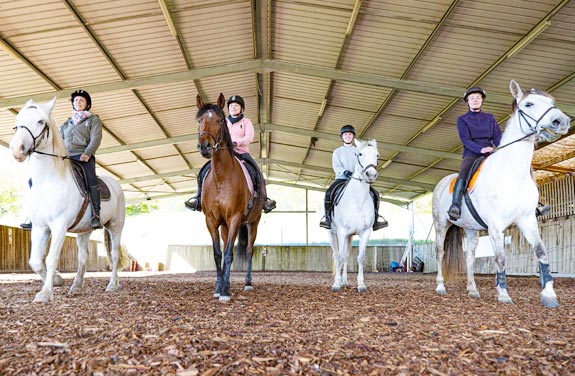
325,223
96,224
27,225
380,224
193,204
269,205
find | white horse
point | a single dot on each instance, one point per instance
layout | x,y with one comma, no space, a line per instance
354,215
504,194
55,202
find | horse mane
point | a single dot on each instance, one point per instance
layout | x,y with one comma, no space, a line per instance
227,138
532,91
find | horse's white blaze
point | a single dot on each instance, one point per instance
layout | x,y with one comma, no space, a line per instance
55,201
505,192
354,215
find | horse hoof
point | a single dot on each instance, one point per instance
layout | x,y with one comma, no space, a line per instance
474,294
441,292
248,288
549,302
361,290
42,298
216,295
74,292
505,300
224,298
335,288
57,281
112,288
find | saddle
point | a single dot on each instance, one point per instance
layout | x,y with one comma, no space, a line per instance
468,188
336,194
82,182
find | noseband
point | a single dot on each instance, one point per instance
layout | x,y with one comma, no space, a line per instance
535,128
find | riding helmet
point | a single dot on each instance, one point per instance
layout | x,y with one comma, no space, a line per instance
347,128
237,99
85,95
475,89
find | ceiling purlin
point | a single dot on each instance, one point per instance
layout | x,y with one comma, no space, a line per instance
498,62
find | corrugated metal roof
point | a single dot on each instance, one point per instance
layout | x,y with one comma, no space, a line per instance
395,69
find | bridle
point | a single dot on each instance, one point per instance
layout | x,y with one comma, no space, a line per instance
45,133
218,140
535,129
363,168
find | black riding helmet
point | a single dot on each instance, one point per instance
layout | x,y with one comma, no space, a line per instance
347,128
475,89
237,99
85,95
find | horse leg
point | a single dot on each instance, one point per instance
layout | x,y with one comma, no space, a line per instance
229,257
82,243
39,242
530,229
114,252
215,234
335,250
440,232
500,263
346,249
47,293
252,233
472,242
361,260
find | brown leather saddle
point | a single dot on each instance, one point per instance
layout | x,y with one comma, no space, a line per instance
82,182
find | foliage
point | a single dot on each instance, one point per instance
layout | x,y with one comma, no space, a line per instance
142,207
9,200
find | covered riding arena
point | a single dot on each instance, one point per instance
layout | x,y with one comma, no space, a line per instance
396,71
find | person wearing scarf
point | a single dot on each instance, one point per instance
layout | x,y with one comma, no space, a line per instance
242,134
82,134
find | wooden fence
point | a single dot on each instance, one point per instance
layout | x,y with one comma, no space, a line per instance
15,252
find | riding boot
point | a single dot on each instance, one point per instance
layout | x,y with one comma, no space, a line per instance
326,220
454,211
27,225
95,198
195,203
379,221
269,204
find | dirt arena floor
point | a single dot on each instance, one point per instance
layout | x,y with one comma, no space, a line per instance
292,324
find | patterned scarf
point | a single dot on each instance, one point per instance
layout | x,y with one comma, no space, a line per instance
78,116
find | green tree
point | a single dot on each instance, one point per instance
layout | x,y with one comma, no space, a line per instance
142,207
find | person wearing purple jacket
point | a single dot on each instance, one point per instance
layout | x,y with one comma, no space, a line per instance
480,134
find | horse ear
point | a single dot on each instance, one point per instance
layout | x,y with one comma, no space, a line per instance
29,103
515,90
358,143
50,105
221,101
199,101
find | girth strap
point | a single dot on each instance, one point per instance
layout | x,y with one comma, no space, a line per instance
472,210
81,213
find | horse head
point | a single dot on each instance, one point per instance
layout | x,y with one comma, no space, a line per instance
537,110
32,130
213,132
367,156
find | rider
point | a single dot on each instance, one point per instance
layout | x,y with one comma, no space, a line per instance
242,133
343,163
82,134
480,134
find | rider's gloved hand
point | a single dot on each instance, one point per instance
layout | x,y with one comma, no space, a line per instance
347,173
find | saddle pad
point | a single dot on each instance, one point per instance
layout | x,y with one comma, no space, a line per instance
472,181
247,176
80,179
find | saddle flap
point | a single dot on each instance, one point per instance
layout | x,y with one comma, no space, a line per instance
81,182
474,173
248,175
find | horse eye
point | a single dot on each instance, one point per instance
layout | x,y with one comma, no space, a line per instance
528,104
41,122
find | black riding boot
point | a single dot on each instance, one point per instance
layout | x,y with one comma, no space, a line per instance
195,203
454,211
377,223
326,220
95,198
539,211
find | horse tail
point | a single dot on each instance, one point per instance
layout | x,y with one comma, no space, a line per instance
241,248
453,261
124,259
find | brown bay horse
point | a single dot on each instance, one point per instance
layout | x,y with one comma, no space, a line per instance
225,196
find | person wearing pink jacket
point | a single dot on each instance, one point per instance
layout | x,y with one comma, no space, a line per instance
242,134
